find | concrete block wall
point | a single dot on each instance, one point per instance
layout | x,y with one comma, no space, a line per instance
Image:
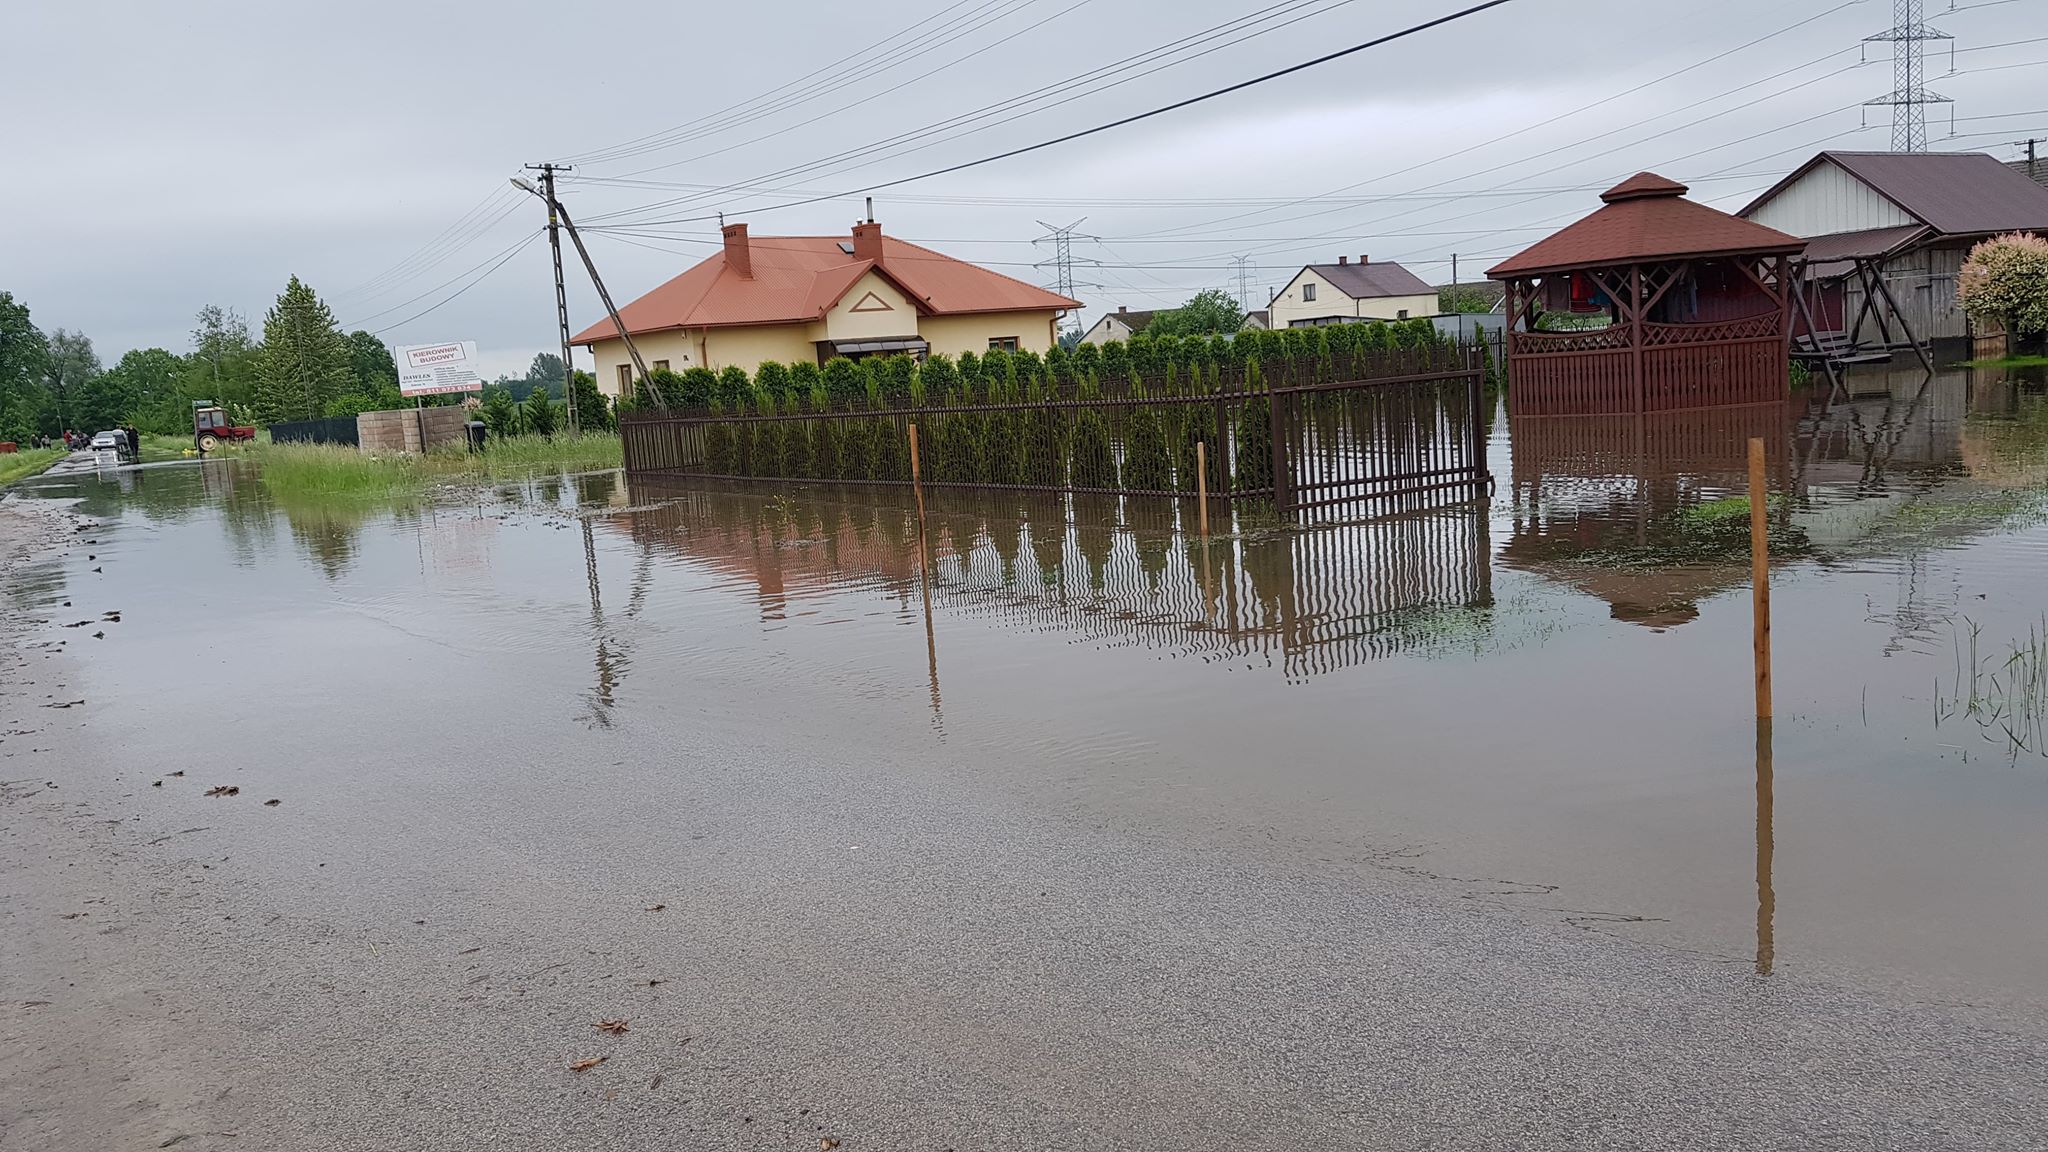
399,429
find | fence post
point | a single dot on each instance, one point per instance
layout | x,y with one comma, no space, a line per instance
1475,387
1276,425
1760,575
1202,484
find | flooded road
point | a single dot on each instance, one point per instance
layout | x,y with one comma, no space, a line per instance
1042,818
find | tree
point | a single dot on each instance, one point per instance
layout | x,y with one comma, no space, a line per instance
1464,298
24,367
2004,281
546,372
1210,311
221,346
370,362
593,411
538,413
71,363
140,382
304,362
500,413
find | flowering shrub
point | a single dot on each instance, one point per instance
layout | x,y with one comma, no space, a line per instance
2005,281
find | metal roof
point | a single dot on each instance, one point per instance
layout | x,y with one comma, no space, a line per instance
1645,218
1955,193
1364,281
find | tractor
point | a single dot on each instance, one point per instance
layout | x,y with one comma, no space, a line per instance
210,426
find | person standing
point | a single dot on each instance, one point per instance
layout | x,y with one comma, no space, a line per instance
134,443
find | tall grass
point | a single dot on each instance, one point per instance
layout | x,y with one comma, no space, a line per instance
26,462
333,472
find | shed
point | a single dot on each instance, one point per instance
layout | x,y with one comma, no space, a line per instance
1653,303
1887,233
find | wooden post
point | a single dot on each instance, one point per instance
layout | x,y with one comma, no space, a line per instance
1202,483
1760,574
916,479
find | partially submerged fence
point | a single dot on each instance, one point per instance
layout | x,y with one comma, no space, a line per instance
333,430
1386,429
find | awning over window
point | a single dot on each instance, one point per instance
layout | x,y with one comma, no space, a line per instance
914,345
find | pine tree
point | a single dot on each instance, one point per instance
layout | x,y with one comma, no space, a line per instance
304,361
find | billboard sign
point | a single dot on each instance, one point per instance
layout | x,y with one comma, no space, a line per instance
431,369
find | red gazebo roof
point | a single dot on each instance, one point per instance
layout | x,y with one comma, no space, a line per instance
1645,218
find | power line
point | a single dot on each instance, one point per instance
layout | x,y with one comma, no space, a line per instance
1231,33
1403,33
361,320
530,238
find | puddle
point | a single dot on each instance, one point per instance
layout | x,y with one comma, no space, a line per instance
1543,704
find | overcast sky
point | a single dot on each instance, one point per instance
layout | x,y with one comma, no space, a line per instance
169,155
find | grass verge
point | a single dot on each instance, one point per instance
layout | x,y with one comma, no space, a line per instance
331,472
27,462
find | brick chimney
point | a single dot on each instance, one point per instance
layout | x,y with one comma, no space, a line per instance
867,241
738,256
1121,309
1342,260
1365,259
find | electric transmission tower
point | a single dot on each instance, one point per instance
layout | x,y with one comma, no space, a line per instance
1245,269
1062,263
1910,95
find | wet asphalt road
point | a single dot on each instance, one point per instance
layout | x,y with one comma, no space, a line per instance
895,954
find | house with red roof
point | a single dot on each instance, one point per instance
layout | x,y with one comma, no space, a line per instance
793,298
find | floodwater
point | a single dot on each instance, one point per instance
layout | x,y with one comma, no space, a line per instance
1544,704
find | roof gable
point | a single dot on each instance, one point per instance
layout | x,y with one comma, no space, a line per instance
1957,193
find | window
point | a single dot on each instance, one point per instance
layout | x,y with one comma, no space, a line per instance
661,366
1401,315
1005,343
1308,293
625,379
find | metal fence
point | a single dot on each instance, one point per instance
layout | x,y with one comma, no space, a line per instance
1386,429
333,430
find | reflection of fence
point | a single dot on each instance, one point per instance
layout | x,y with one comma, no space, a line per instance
1393,429
337,430
1112,570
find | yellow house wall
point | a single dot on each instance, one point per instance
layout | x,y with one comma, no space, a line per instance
749,347
676,346
952,335
843,323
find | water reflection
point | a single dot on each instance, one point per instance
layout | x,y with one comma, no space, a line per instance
1637,510
1121,572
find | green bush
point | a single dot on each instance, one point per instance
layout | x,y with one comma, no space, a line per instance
593,411
826,449
500,413
718,457
1254,445
845,383
537,415
806,382
1090,461
735,390
1147,466
694,389
772,379
768,448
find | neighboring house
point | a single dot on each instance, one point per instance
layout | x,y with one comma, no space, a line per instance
1344,292
1908,217
793,298
1121,324
2032,169
1261,319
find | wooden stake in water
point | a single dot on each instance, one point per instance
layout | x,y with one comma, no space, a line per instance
1760,574
916,483
1202,482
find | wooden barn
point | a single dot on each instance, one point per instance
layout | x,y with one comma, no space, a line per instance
1651,304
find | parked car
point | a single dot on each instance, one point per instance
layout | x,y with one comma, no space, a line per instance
114,441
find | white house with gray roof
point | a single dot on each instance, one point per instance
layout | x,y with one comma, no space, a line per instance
1344,293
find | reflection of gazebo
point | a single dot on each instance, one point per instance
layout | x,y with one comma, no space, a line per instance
1668,304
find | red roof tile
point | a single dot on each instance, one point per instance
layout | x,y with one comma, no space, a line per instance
1646,217
798,279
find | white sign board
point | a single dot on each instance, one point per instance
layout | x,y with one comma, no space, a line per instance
430,369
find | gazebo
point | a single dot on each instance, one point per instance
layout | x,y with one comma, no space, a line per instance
1651,304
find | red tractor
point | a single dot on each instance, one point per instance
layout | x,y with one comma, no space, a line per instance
210,426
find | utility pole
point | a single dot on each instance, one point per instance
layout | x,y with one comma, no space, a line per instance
556,209
547,184
1455,305
1062,262
1909,96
